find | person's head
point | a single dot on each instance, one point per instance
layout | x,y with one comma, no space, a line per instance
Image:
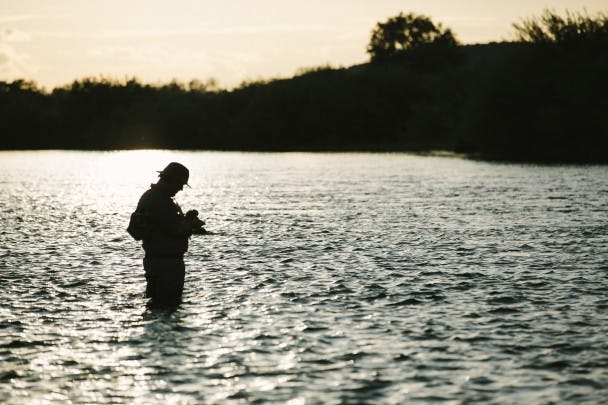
174,177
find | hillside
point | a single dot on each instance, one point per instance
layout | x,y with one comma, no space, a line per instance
508,101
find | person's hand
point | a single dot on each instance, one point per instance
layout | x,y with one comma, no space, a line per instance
192,214
196,224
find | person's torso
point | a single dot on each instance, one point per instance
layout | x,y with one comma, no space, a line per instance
164,215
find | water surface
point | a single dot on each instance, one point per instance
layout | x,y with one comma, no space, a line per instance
330,278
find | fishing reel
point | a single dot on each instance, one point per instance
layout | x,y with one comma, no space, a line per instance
195,222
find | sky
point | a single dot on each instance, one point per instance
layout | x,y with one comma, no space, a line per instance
54,42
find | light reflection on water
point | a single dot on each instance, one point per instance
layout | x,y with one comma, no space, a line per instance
329,277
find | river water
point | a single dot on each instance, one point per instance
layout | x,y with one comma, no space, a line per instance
329,278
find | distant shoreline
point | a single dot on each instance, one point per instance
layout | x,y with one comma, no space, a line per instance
508,102
422,153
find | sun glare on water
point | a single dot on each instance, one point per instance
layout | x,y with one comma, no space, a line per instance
134,167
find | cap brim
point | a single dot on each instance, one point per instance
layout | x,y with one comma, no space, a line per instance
160,172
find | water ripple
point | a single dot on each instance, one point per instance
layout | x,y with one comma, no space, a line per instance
328,278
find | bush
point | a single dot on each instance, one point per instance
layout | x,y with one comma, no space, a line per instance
574,28
407,34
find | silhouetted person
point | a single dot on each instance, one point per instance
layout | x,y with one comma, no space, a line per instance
165,230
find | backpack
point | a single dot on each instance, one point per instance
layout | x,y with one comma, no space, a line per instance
138,225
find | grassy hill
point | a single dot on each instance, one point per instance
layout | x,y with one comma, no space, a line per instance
508,101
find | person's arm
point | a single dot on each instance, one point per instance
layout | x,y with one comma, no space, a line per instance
165,217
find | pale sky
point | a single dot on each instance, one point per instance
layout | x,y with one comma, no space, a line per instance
56,41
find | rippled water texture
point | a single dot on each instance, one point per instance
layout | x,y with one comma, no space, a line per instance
330,278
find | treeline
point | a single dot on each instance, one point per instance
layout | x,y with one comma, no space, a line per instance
539,98
364,107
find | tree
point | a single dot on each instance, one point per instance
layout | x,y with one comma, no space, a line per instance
404,34
574,28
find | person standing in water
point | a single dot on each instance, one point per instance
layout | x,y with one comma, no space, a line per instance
164,230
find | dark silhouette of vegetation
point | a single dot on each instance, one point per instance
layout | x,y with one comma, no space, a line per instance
543,99
413,39
405,33
573,28
360,108
525,100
